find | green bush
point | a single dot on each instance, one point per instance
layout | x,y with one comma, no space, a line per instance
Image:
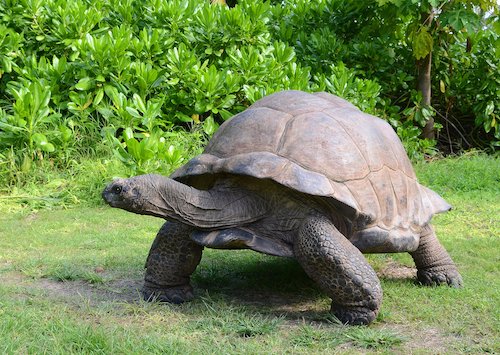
89,70
148,82
469,85
142,68
375,39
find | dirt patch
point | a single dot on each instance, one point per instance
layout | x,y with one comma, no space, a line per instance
424,340
11,278
113,291
31,217
394,271
74,291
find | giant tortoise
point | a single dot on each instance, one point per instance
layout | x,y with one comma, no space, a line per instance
300,175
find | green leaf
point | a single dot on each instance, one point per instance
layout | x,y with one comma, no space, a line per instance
66,133
210,126
422,43
133,148
48,147
9,127
395,2
7,64
113,94
133,112
128,134
200,106
148,146
490,107
139,103
98,97
39,138
84,84
90,40
183,117
42,143
461,18
225,114
120,151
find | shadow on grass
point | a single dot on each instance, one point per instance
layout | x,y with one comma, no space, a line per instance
262,284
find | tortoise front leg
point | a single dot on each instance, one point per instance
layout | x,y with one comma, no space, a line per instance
340,270
434,264
171,261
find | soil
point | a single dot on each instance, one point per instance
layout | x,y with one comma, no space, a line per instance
394,270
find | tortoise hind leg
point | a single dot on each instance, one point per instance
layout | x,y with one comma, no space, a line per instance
340,270
434,264
171,261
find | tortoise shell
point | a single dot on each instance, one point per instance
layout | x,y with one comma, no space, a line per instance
322,145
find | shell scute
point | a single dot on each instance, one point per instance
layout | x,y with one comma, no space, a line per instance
314,149
225,144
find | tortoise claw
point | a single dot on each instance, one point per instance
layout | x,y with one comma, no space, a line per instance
175,295
431,277
354,315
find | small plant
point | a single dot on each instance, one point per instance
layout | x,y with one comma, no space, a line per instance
418,113
238,321
146,152
310,336
415,146
10,43
373,338
71,273
250,326
31,121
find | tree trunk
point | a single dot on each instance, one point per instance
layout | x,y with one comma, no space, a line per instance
424,81
424,86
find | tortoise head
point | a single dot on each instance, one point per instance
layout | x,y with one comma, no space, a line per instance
150,194
129,194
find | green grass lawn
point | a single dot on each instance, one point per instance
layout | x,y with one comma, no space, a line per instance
69,283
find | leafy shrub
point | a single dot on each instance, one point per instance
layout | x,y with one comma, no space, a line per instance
31,120
377,39
469,84
10,43
363,93
148,82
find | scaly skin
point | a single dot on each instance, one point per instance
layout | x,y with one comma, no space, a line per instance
340,270
172,259
434,265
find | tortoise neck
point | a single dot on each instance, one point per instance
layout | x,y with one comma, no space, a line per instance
217,208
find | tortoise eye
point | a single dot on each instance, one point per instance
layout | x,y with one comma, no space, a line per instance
117,189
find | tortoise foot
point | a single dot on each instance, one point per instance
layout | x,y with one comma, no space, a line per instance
176,295
433,277
434,264
354,315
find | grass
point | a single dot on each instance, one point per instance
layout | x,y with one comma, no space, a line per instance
69,283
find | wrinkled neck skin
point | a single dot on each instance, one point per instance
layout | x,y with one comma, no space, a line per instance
219,207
